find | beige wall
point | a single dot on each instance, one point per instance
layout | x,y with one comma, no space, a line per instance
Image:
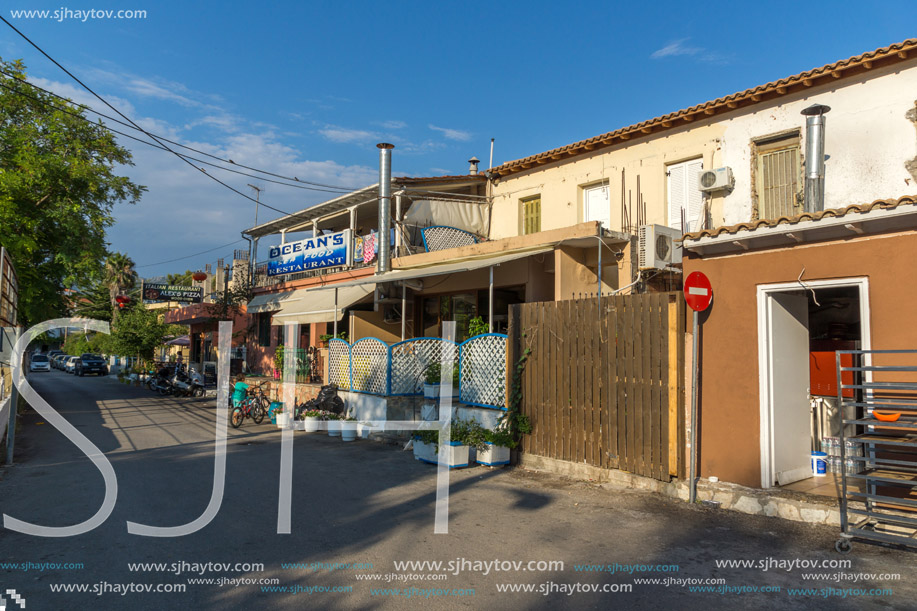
371,324
561,184
871,148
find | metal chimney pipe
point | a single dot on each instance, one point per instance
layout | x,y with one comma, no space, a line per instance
815,157
385,207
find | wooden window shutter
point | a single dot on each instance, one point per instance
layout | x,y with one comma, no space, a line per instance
531,215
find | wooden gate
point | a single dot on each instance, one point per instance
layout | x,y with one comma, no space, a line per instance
604,382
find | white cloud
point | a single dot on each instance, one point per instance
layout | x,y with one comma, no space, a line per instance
345,135
394,124
452,134
681,48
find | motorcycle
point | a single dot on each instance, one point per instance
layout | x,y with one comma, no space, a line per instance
161,382
327,400
185,385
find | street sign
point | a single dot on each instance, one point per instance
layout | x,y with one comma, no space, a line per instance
698,291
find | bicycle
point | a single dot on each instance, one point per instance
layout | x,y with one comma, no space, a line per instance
254,406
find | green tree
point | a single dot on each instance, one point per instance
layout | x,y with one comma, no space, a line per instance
119,276
58,187
139,331
92,301
180,279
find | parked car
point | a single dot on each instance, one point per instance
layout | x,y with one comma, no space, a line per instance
39,362
91,363
58,361
70,364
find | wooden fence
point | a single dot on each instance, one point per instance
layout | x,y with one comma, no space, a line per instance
604,382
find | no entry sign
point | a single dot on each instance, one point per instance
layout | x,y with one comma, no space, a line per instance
698,291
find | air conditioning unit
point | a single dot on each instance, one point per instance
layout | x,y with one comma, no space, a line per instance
657,247
715,180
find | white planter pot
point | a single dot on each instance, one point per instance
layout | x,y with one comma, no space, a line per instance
348,431
425,452
283,420
493,456
299,425
364,429
456,454
430,391
311,425
334,428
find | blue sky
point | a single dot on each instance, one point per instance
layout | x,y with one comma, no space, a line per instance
308,88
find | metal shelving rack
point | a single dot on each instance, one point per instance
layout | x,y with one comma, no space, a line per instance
888,464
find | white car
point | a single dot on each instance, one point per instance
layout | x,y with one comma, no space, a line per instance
70,364
39,362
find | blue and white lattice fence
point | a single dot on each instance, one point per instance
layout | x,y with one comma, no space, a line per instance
371,366
339,363
369,358
482,370
410,360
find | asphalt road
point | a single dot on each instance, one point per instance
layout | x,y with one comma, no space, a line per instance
360,507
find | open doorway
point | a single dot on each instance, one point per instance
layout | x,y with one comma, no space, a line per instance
800,328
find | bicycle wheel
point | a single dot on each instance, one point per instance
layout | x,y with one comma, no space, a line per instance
237,417
257,413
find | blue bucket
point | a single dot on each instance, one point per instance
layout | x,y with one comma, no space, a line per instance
819,464
272,410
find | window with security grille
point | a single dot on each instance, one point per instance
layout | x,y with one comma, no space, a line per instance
531,215
778,176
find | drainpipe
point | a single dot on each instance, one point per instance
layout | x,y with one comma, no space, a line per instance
385,207
815,157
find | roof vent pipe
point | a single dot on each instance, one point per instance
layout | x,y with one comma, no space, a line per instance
473,166
815,157
385,207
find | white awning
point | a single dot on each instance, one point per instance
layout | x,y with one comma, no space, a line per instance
307,306
453,267
267,302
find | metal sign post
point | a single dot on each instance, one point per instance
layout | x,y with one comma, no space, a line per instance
698,293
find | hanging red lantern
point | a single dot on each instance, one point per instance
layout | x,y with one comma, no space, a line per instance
199,276
122,301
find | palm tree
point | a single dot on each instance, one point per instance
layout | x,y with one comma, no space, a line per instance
119,275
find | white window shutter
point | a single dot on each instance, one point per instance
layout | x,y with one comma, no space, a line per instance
677,195
695,200
596,204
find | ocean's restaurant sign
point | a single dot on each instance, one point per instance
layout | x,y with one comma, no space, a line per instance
331,250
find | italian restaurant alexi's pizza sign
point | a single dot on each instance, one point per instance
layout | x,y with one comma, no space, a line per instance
330,250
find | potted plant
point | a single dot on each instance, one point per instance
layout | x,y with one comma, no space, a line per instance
283,419
425,446
327,336
278,362
466,435
498,443
364,429
333,421
313,420
431,381
348,429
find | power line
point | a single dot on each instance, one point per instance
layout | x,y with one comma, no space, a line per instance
132,122
184,146
151,144
197,254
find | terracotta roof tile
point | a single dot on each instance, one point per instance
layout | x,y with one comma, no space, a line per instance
851,67
805,216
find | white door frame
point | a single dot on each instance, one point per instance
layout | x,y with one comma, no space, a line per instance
764,353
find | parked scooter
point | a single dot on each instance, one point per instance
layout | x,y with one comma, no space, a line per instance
327,400
185,385
161,382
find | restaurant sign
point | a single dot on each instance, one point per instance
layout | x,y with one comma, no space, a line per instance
330,250
171,292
